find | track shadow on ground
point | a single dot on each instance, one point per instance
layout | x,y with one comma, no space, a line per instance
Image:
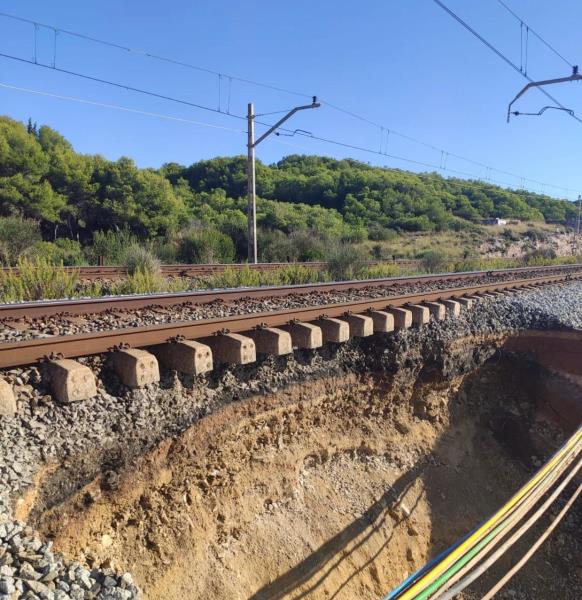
369,523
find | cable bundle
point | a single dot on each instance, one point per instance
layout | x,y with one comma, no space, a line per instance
458,566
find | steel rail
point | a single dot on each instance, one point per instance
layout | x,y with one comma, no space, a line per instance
14,354
200,270
45,308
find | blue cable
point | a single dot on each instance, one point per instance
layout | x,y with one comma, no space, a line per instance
412,578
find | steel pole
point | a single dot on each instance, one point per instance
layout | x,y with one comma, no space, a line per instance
578,226
251,187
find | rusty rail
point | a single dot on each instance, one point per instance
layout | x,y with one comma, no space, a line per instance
30,351
203,270
96,305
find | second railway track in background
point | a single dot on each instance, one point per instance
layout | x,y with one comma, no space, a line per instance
93,273
87,306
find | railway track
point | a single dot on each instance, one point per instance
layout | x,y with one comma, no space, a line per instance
93,273
90,306
357,312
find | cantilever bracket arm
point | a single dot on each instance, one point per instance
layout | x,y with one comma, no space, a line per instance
314,104
574,77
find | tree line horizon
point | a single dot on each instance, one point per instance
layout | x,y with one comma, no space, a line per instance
72,196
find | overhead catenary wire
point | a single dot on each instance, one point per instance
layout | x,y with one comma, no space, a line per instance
122,86
460,184
231,78
364,149
154,56
531,30
119,107
502,56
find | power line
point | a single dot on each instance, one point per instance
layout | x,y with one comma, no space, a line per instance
118,107
240,117
534,32
122,86
231,78
326,140
154,56
459,184
442,150
502,56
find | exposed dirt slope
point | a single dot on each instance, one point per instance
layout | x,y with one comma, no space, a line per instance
334,488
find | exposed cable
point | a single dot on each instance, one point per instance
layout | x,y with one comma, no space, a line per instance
481,534
519,511
479,570
534,547
470,558
475,574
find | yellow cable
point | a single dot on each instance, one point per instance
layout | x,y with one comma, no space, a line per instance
439,569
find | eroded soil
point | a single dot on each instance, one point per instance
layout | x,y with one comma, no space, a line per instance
334,488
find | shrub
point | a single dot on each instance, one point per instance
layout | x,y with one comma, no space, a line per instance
433,261
296,275
167,252
291,274
235,227
536,235
233,278
37,279
62,251
379,271
378,233
346,262
355,234
420,223
310,245
302,245
541,256
136,259
276,246
205,246
509,235
16,235
141,282
110,245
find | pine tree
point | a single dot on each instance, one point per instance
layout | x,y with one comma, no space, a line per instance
32,128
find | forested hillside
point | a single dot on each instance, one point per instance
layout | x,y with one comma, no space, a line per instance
72,196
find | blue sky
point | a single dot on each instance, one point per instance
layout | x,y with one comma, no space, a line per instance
401,63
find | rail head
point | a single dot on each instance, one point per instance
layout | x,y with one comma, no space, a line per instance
14,354
82,306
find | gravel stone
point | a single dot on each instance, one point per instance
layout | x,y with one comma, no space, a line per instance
110,430
45,327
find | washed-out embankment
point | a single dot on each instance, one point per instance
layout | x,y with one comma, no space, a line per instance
324,474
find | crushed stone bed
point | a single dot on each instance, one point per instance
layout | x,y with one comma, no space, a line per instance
43,327
116,426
